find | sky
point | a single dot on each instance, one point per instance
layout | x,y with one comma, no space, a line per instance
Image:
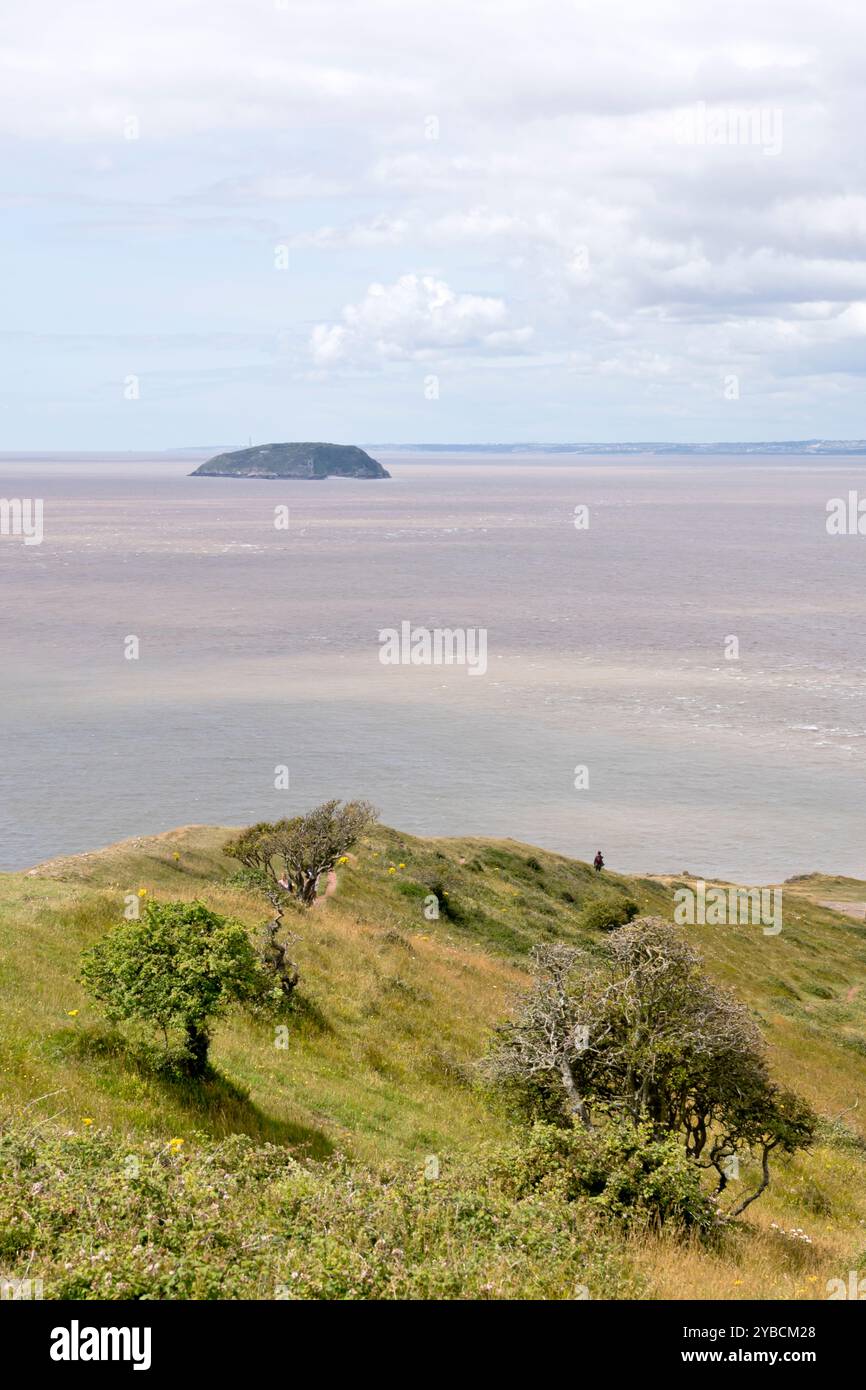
394,220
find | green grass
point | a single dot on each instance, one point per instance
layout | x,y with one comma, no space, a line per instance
395,1010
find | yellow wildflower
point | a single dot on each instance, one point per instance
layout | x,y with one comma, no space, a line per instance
73,1013
86,1120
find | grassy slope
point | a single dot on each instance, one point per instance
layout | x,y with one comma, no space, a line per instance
397,1009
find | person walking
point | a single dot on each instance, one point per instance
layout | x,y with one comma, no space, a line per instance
598,861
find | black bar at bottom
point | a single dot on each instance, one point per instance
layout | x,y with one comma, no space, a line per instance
279,1338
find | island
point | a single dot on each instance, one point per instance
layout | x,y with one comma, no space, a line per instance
293,461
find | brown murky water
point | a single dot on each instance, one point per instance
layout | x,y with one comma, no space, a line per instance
259,648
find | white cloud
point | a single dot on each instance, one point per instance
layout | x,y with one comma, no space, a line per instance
415,317
529,149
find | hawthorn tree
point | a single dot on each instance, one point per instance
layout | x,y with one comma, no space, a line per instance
285,860
291,855
639,1032
178,967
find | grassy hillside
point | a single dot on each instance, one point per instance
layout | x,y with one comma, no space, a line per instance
395,1012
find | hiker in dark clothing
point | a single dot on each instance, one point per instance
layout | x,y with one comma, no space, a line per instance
598,861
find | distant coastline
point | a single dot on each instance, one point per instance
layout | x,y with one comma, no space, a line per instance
813,448
830,448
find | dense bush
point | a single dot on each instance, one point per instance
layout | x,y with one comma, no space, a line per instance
620,1168
605,914
100,1217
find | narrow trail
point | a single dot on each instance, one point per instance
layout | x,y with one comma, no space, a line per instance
330,887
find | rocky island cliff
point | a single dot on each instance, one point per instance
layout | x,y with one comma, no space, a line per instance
293,461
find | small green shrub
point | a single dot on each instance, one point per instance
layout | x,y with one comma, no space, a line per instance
605,914
448,907
410,888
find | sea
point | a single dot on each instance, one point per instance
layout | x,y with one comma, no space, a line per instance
674,655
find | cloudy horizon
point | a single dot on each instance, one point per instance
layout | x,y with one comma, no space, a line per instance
541,222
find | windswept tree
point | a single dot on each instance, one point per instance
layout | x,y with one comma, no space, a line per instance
177,968
639,1032
539,1053
286,859
290,856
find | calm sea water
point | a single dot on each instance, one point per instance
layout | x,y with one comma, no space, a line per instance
606,649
